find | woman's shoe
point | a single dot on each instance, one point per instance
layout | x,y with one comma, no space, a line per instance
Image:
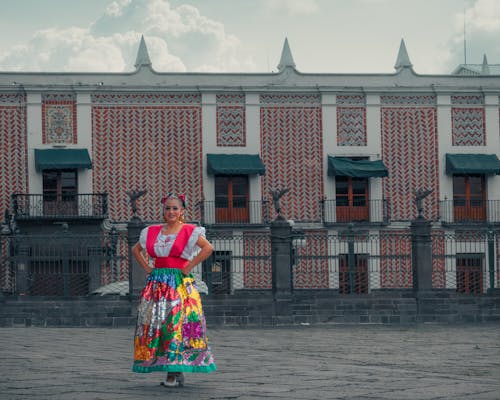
180,378
174,379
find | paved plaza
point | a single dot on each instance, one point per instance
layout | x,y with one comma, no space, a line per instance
302,362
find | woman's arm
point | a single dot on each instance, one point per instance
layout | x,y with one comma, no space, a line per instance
138,253
206,250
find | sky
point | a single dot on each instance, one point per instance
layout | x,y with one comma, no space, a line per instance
325,36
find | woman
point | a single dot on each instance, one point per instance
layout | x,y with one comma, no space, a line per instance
170,334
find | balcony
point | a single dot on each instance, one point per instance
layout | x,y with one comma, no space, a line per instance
473,211
246,213
72,206
370,212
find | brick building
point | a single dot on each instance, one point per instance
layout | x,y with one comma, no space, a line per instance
351,148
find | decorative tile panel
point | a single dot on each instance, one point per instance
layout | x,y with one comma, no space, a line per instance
157,148
468,127
231,124
292,151
351,126
59,118
410,153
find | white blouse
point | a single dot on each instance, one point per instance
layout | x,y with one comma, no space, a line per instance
163,243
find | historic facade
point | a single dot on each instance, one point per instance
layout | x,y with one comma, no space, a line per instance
352,149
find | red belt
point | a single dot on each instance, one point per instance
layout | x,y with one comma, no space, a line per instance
170,262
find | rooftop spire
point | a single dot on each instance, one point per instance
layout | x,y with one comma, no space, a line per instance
403,61
142,55
286,57
485,69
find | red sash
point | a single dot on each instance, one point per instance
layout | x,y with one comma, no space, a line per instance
174,259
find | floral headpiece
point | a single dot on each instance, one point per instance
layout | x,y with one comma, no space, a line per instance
181,197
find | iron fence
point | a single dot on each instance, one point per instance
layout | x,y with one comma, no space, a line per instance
63,264
466,261
348,262
241,261
352,262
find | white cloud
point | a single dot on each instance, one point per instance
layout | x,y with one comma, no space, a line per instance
293,6
178,39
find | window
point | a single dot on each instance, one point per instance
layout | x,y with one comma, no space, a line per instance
59,192
469,194
470,273
231,199
355,281
351,199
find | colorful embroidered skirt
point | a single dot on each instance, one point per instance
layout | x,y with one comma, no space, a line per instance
170,334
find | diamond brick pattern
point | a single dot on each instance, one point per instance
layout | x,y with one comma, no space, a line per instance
468,127
146,98
408,100
13,145
410,153
231,125
157,148
292,151
352,100
257,269
351,126
312,272
290,99
467,100
395,270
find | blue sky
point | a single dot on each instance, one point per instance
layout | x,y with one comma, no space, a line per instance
335,36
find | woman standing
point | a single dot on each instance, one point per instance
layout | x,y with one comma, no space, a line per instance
170,334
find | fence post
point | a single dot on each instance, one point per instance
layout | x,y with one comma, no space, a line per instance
136,274
421,254
281,256
491,258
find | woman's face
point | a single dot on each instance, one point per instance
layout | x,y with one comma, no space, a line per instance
172,210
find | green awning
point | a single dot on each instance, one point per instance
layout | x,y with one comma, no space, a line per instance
342,166
62,159
235,164
466,164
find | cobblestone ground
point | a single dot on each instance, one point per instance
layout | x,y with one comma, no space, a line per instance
304,362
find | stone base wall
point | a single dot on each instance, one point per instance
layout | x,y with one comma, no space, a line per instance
260,309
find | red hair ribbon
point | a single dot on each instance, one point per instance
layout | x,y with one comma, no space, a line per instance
181,197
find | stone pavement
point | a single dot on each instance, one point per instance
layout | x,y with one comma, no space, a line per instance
300,362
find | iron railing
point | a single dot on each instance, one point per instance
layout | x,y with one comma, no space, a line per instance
466,262
464,211
369,211
352,262
63,264
234,213
69,206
